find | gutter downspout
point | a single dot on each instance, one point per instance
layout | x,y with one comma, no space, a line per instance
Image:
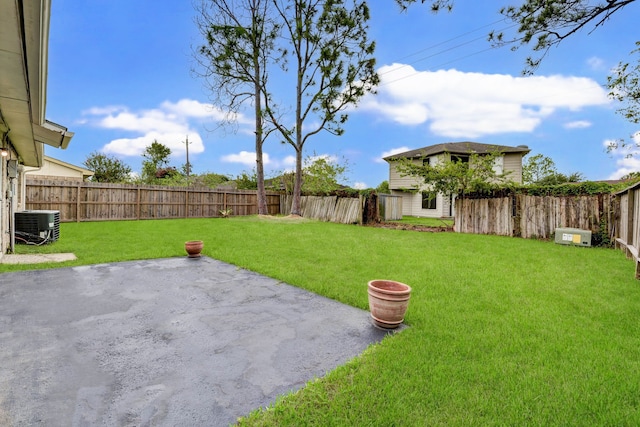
12,216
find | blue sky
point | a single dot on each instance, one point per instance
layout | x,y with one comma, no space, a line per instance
120,77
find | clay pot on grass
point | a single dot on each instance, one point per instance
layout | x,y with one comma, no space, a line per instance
193,248
388,302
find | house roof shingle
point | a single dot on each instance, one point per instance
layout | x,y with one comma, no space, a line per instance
458,148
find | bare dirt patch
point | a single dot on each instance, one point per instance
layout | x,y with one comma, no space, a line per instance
410,227
288,218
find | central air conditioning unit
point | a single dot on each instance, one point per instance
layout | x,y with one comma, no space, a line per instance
37,226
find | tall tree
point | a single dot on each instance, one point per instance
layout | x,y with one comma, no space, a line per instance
321,174
542,170
234,62
156,156
536,168
327,46
107,168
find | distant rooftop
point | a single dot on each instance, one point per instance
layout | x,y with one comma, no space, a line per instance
459,148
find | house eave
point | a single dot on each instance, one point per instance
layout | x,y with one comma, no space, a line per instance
24,41
466,147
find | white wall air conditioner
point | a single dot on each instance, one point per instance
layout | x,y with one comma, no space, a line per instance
573,236
37,226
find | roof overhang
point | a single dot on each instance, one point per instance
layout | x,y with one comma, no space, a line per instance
52,134
24,47
458,148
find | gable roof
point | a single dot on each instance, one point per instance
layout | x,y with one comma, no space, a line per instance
458,148
85,172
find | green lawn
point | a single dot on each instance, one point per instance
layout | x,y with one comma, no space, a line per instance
503,331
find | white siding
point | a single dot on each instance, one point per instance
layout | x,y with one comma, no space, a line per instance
513,163
396,181
412,205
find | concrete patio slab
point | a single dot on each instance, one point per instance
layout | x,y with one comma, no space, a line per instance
170,342
36,258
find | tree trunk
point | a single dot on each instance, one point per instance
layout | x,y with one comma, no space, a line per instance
297,185
262,194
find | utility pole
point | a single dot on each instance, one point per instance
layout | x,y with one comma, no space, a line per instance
188,166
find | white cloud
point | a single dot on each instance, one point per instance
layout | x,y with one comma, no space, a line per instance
468,105
596,63
579,124
359,185
628,156
390,153
174,140
170,124
246,158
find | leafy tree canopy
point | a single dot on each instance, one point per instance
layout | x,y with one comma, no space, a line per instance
450,175
211,180
624,86
107,168
156,158
247,181
321,175
541,170
383,188
536,168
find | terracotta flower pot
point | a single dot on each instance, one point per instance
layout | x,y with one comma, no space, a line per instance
388,302
193,248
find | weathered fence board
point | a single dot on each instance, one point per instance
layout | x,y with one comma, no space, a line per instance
344,210
628,224
389,207
90,201
533,216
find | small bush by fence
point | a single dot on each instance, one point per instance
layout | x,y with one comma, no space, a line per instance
89,201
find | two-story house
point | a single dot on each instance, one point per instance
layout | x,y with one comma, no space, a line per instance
419,200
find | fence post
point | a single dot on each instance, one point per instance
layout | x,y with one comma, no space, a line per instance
517,215
78,203
630,217
186,203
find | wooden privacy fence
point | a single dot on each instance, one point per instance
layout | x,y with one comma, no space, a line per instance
363,209
628,230
522,215
389,207
345,210
92,201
